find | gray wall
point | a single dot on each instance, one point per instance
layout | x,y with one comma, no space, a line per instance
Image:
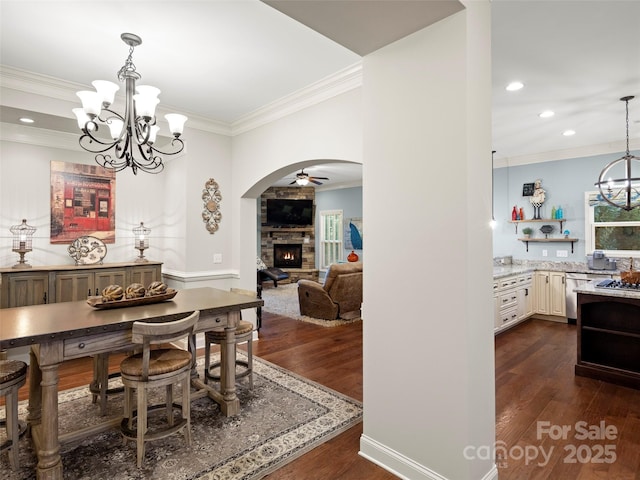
565,183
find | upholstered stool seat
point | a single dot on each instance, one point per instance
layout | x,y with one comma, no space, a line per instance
160,367
244,333
13,374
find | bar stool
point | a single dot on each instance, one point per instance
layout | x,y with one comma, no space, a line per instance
244,333
99,386
161,367
13,374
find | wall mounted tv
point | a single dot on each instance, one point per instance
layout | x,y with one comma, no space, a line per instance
284,212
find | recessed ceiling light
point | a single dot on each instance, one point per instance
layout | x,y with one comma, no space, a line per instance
513,86
547,114
568,133
26,120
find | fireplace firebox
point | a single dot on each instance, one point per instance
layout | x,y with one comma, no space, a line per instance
287,255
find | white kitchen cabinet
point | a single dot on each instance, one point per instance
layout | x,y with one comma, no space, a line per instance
550,293
513,299
525,297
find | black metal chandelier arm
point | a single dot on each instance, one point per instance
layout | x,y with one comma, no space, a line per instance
92,144
107,161
143,130
180,147
151,163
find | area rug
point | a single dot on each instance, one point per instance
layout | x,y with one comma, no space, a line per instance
283,417
283,300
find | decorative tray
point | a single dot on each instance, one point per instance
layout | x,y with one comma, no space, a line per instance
96,302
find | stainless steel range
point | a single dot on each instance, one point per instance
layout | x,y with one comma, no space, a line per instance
618,285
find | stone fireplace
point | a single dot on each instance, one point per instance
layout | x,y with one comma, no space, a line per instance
297,242
287,255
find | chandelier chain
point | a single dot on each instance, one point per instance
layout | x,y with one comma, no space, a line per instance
128,66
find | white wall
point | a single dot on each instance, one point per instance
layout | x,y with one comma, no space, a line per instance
331,130
169,203
428,340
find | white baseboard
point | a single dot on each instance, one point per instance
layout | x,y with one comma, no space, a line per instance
402,466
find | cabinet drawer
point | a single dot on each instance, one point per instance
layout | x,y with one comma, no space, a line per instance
90,345
508,315
508,282
523,280
507,300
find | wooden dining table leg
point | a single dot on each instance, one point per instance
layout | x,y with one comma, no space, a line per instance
46,358
230,403
34,408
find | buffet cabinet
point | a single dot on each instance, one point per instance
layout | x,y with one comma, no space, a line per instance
68,283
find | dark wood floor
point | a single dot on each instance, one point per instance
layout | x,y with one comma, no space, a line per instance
534,383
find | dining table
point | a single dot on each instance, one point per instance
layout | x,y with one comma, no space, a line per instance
58,332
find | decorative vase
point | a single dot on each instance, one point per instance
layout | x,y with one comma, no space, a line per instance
352,257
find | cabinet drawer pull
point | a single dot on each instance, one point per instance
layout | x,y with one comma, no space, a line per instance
218,320
81,346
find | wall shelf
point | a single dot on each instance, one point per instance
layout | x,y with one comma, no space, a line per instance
541,220
548,240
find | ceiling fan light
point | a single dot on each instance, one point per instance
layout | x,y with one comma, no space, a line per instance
302,181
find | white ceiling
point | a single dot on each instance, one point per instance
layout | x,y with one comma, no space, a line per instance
224,60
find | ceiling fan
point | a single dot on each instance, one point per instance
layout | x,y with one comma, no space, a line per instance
303,179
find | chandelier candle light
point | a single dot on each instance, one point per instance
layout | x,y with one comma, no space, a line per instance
135,130
624,191
22,242
141,241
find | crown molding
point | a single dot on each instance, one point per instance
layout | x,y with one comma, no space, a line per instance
331,86
11,132
565,154
340,82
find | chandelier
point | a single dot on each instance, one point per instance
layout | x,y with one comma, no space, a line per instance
624,191
131,133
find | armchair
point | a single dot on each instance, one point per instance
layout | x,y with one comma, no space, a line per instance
339,297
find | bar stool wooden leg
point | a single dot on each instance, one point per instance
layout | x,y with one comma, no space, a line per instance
13,374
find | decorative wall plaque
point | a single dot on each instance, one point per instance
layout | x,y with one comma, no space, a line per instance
87,250
211,197
527,189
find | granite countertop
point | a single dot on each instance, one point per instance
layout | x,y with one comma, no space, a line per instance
501,271
590,289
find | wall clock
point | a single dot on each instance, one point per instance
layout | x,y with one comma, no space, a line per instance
211,197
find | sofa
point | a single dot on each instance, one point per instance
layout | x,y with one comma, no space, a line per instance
340,296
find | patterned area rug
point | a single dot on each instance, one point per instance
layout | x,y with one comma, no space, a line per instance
283,300
283,417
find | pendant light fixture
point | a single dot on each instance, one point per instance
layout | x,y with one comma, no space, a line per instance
133,133
624,190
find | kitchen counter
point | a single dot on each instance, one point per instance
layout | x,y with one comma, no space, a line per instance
501,271
591,289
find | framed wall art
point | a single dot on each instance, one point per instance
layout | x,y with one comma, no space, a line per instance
82,202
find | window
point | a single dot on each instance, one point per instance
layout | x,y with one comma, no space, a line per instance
331,249
614,230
